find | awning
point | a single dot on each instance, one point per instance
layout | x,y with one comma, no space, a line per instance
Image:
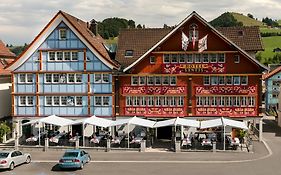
52,120
222,122
93,120
234,123
177,121
211,123
134,121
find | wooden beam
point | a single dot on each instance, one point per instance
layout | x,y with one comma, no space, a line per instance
85,60
13,91
40,61
37,96
113,95
89,94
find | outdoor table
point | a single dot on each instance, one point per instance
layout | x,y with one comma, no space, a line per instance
56,138
186,142
137,140
117,140
206,142
32,139
97,139
73,139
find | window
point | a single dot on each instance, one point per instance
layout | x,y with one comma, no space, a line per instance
135,80
221,101
236,101
165,80
228,80
56,78
142,101
78,78
97,101
236,80
198,101
197,58
165,101
59,56
207,101
97,78
180,101
157,101
56,101
48,78
62,78
251,101
174,58
205,58
236,58
243,101
29,100
74,56
181,58
244,80
62,34
213,58
152,59
166,58
48,101
173,80
129,101
221,80
63,101
22,100
129,53
52,56
142,80
150,101
157,80
21,78
29,78
105,101
193,32
189,58
172,101
70,101
70,78
213,101
206,80
150,80
105,78
135,101
214,80
78,101
67,56
221,58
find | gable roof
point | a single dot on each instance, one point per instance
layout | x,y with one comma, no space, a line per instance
270,74
247,38
5,52
80,27
193,14
138,40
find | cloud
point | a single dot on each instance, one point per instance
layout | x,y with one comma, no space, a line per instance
22,20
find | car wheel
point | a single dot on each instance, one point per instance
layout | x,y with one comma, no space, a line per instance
28,160
82,166
89,159
12,166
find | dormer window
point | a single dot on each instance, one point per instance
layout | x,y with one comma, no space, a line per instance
62,34
129,53
240,33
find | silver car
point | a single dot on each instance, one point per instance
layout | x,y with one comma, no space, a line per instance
10,159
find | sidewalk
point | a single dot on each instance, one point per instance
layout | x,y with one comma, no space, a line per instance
260,151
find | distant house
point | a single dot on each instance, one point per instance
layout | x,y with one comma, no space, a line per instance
272,84
6,57
277,49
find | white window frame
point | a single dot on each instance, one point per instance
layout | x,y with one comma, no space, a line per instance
32,79
22,98
129,101
210,58
226,82
25,78
95,100
167,78
103,100
68,79
74,52
173,101
54,79
180,101
60,34
150,101
203,57
181,58
166,56
61,97
51,98
148,78
108,78
27,101
189,58
76,100
165,101
64,53
251,101
214,101
206,78
45,80
214,78
54,100
76,78
171,80
158,101
133,83
55,55
196,58
221,78
235,83
174,56
142,101
236,58
243,101
144,78
160,78
152,59
246,78
99,80
219,57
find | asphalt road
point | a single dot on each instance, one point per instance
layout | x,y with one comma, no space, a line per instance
132,163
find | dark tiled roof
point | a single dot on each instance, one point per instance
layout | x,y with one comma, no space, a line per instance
96,41
247,38
138,40
5,52
141,40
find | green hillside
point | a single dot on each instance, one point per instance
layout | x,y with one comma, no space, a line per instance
247,21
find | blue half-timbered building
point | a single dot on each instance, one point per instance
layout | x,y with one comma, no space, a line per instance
65,71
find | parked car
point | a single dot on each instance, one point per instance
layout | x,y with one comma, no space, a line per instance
10,159
74,159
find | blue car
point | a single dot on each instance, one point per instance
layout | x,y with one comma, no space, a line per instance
74,159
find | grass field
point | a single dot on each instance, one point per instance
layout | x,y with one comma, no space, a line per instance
269,44
246,20
269,30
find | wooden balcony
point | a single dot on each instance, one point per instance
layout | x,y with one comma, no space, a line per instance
154,90
226,111
156,111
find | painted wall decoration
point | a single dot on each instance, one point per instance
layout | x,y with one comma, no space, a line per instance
155,90
155,111
225,89
200,68
226,111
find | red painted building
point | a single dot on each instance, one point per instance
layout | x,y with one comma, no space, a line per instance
162,80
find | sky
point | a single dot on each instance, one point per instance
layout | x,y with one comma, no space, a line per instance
22,20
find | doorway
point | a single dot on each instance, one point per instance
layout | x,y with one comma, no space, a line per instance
164,132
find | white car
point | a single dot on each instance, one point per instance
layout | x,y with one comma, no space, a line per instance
10,159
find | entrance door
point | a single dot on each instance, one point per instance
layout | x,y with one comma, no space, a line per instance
164,132
77,129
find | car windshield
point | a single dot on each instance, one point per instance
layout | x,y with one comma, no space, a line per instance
4,155
70,154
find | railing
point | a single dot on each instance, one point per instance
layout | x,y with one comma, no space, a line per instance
229,111
156,111
154,90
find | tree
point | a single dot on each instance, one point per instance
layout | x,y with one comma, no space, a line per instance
4,129
250,15
131,24
270,22
139,26
225,20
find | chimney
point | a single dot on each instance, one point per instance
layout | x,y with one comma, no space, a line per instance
94,26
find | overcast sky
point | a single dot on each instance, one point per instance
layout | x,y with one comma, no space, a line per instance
22,20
